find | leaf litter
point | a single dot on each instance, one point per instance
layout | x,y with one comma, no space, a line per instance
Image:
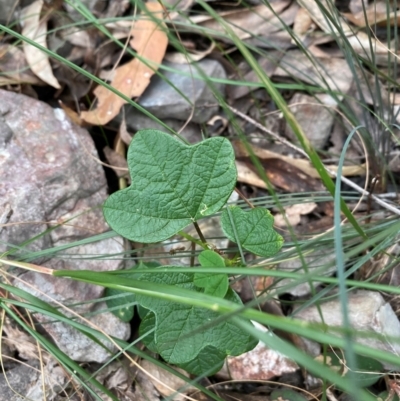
25,68
149,40
35,28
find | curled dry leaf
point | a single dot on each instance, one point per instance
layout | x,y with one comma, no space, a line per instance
248,176
35,28
304,165
313,9
245,23
131,79
375,13
20,341
177,8
118,162
362,43
190,57
125,136
13,67
293,214
302,22
331,73
167,383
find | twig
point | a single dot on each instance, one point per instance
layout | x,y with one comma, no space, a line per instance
302,152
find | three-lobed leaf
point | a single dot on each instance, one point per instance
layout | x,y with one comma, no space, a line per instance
252,229
173,185
182,332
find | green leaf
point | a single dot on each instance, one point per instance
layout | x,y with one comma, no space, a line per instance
173,185
209,361
123,303
182,332
147,324
287,394
384,396
365,368
213,284
253,230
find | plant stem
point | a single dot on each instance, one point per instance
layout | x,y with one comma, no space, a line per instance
192,239
193,254
201,236
241,195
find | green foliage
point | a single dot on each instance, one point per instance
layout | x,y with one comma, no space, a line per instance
213,284
173,185
253,230
386,396
287,394
121,303
183,332
208,361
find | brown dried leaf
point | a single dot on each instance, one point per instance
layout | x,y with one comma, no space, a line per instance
14,68
176,8
131,79
281,175
304,165
36,29
302,22
313,9
167,383
375,14
330,73
190,57
362,43
293,214
118,162
248,176
125,136
19,340
245,23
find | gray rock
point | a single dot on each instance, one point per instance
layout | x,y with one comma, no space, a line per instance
261,363
95,6
18,381
81,348
316,120
164,101
49,176
368,311
314,260
331,73
136,121
53,379
8,9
